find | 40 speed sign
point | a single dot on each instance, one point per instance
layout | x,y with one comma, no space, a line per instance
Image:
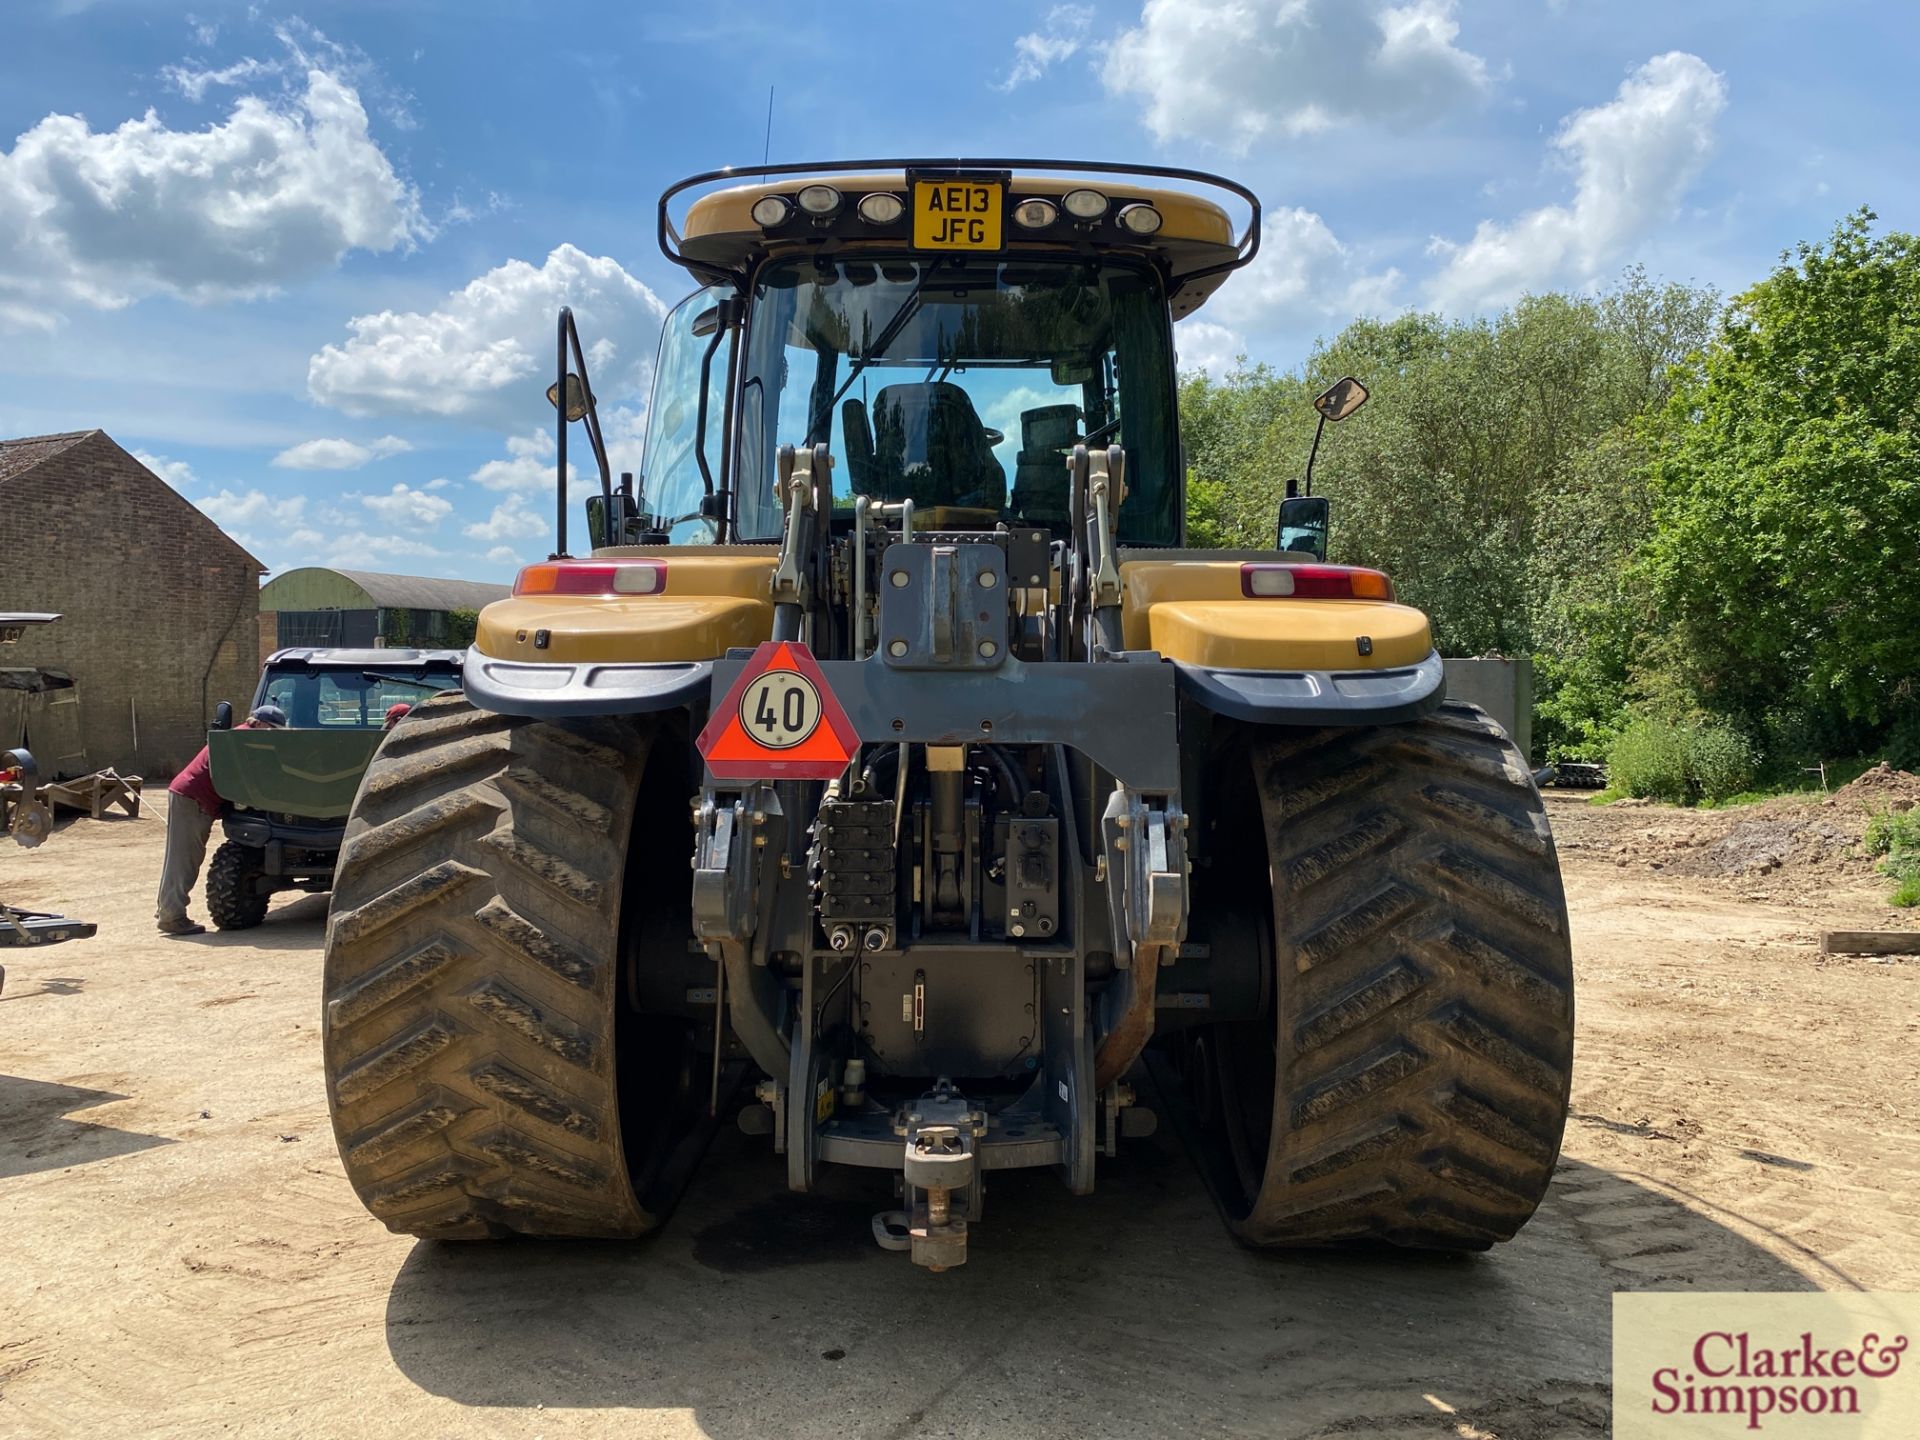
779,720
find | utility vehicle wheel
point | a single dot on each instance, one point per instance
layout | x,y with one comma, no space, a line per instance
486,1073
1409,1080
236,891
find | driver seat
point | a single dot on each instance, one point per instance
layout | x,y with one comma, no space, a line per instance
1047,437
928,439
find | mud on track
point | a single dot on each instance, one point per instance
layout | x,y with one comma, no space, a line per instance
183,1256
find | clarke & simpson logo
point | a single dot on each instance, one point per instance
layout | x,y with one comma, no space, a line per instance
1827,1364
1732,1373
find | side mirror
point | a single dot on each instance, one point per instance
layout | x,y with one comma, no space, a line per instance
577,399
223,715
613,527
1340,399
1303,525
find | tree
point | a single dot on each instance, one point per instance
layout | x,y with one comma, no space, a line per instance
1487,475
1785,475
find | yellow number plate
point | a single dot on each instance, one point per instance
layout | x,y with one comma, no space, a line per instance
957,214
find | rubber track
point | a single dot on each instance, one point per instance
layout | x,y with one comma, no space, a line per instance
231,902
1425,987
470,978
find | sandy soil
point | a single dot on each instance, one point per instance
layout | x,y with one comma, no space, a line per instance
183,1255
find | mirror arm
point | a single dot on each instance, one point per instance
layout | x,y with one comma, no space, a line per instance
1318,431
568,338
700,416
564,324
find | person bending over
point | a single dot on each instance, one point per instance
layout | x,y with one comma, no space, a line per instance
192,807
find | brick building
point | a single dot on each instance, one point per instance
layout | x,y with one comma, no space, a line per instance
160,606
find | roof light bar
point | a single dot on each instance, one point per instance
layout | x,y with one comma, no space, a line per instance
1259,581
1140,219
593,577
881,208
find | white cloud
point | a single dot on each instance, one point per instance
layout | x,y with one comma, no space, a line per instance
528,466
1064,32
1303,278
1302,271
403,505
250,507
503,555
1237,71
440,484
339,454
512,519
485,352
1203,345
1633,159
357,546
176,473
279,190
194,82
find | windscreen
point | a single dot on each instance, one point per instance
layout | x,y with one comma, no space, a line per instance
346,699
960,383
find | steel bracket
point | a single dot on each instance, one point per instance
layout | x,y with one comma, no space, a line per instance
1144,840
733,834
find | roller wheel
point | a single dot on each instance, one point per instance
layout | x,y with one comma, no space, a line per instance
486,1073
1408,1082
237,890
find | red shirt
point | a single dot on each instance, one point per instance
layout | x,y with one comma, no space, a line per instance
196,783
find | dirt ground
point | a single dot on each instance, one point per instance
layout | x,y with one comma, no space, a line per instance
182,1254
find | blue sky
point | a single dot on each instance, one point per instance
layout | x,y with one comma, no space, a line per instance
305,257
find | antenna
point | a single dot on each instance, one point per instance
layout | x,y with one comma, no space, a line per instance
767,153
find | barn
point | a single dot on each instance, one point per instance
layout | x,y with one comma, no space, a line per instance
158,602
319,605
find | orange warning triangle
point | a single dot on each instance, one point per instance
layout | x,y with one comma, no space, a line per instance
791,729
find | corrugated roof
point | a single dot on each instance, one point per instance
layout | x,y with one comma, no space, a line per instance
17,456
416,592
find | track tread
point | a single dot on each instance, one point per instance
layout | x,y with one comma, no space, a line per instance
386,983
509,927
470,985
512,1011
1424,991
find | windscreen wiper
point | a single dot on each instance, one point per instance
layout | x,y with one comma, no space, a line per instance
889,333
417,684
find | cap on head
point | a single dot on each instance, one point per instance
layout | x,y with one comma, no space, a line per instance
397,710
269,715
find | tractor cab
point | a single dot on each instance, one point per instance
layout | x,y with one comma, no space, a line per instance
949,335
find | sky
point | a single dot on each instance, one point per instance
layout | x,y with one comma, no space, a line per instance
304,258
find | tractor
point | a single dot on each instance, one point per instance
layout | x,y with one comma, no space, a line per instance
891,776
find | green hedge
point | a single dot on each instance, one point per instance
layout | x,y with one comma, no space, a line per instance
1680,764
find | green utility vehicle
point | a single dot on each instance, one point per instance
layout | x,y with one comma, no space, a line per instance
288,790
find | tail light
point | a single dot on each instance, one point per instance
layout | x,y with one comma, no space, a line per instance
1313,582
593,577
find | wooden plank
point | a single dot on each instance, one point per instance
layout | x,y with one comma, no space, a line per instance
1870,942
